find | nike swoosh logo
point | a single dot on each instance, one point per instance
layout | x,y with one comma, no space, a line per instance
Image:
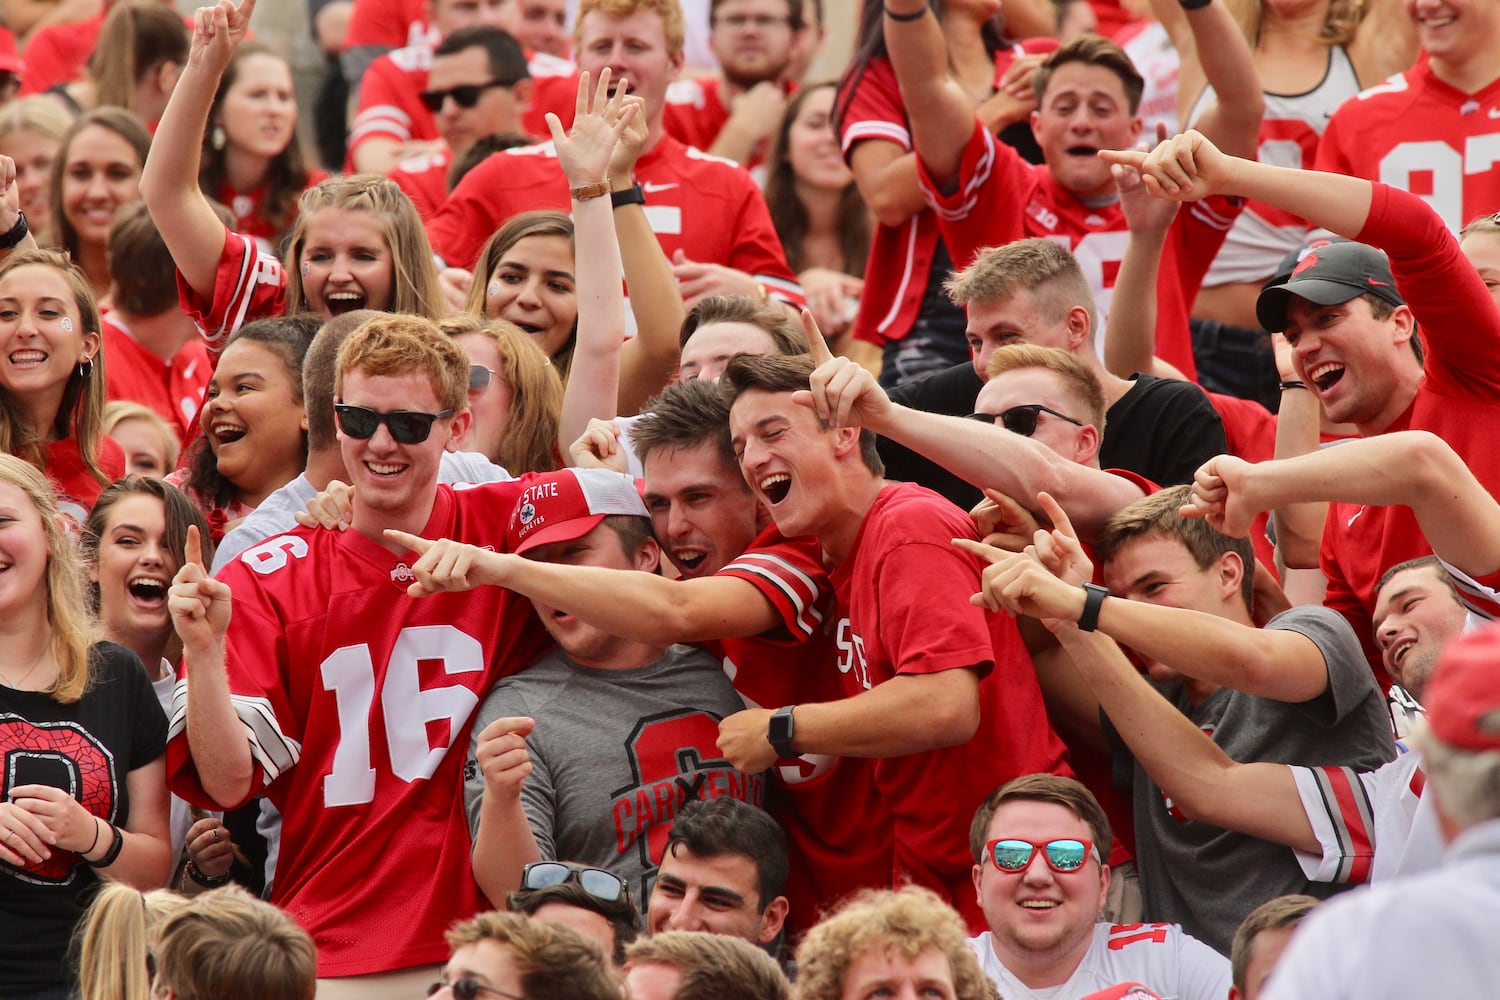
1495,112
650,188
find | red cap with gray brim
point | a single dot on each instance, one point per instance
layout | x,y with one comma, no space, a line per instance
1463,698
1326,276
562,506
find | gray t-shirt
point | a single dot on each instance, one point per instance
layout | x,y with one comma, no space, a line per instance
1208,879
614,755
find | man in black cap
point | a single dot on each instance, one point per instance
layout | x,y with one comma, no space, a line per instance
1350,313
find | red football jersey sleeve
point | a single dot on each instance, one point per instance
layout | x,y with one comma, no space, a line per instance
390,103
249,284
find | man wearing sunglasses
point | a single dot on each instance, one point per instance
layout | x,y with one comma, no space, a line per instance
508,956
478,86
282,696
591,901
1041,881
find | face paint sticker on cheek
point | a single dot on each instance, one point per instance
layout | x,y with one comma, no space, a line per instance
67,325
493,289
306,269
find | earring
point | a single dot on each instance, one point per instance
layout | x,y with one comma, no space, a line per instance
86,368
218,137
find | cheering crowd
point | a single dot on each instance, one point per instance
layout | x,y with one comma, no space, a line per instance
628,518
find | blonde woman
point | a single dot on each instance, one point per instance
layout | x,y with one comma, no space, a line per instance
515,394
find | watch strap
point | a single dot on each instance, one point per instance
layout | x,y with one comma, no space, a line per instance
633,195
1094,596
781,730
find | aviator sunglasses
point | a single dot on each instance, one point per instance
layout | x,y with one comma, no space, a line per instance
1022,419
1013,855
406,426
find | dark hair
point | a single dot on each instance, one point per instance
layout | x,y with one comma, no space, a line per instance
623,915
869,44
1421,562
481,150
286,174
140,265
122,123
793,13
319,366
1092,50
289,337
685,415
789,215
785,332
506,59
779,373
725,825
1065,792
178,510
137,36
632,531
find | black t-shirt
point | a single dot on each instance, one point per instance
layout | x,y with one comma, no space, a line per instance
1162,429
950,392
86,748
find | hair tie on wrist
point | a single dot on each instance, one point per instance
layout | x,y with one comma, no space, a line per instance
1193,4
1293,383
915,15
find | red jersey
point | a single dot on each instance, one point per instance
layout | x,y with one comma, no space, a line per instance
248,217
57,53
174,389
393,24
903,608
828,806
358,702
249,284
1001,198
695,113
705,206
896,276
1250,433
1458,399
1419,134
424,178
76,486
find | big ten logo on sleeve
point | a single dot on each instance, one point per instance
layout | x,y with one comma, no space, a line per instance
851,649
1458,185
674,758
62,755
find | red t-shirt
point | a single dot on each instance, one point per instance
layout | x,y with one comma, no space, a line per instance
1250,432
174,389
1458,399
903,608
358,702
76,487
1000,198
829,806
57,53
1421,135
695,113
249,284
424,178
705,206
248,217
393,24
900,263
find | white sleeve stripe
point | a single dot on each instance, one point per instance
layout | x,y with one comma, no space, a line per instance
272,749
889,131
381,112
239,299
1483,601
784,577
774,283
1206,215
969,194
384,129
1350,838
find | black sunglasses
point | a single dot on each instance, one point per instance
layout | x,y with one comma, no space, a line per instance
480,378
406,426
1022,419
465,95
597,882
471,989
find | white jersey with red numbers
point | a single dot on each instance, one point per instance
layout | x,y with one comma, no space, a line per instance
1174,965
1419,134
705,206
1001,198
1289,135
1150,48
249,284
828,806
357,701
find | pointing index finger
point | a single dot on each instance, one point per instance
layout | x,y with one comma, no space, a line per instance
416,543
1056,514
816,345
988,553
192,549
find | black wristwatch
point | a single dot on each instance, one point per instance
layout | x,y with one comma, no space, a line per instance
15,234
633,195
781,730
1094,596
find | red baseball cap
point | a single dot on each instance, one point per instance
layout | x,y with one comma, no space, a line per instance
10,59
1463,698
1123,991
562,506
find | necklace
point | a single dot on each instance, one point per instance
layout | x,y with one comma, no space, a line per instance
16,685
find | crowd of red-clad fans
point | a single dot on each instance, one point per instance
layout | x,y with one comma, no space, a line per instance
620,513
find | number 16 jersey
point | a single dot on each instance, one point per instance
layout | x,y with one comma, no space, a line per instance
358,701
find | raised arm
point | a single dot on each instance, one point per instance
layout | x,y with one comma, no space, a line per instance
941,114
504,843
1299,526
1130,329
1415,469
584,155
1232,122
169,181
1189,167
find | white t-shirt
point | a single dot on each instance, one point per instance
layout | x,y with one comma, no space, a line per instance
1160,956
